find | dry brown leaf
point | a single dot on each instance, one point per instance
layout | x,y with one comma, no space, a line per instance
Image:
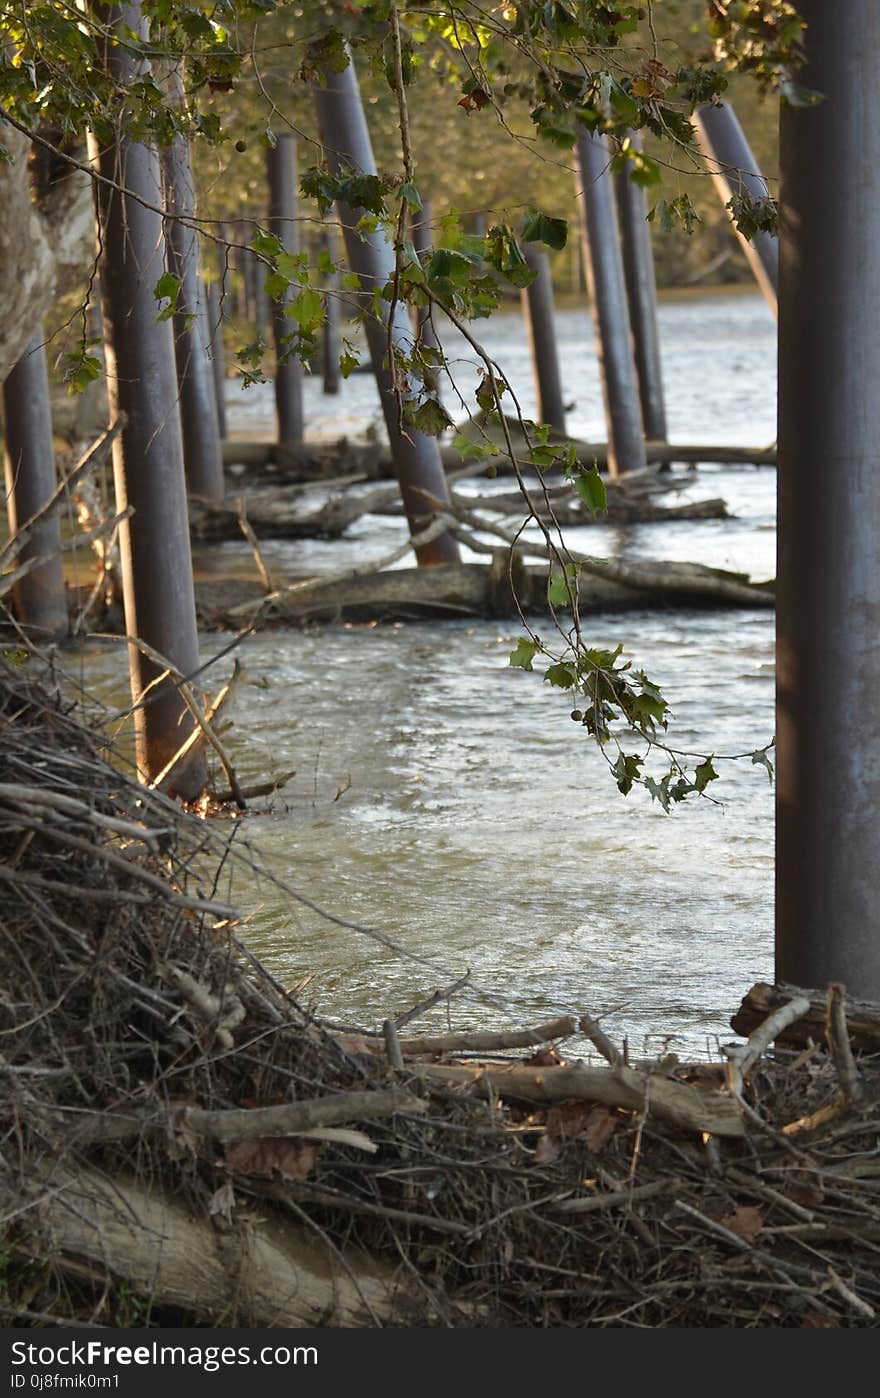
548,1149
746,1222
222,1202
290,1157
819,1320
182,1140
582,1121
600,1126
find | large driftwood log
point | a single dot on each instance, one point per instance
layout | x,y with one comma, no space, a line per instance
690,1108
274,515
862,1016
278,1274
312,461
470,589
278,513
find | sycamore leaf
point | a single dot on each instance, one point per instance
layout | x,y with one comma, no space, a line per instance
559,591
704,774
167,286
538,228
431,418
307,309
525,652
591,489
563,674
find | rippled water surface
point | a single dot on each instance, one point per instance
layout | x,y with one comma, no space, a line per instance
450,801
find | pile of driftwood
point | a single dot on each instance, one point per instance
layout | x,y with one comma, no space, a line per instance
511,582
181,1142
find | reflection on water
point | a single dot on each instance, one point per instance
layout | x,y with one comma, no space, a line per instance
451,802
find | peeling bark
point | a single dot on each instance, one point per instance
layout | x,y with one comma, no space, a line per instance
45,244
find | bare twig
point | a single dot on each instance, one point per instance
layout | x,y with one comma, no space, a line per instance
837,1039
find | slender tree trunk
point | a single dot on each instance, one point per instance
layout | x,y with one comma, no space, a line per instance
828,653
734,171
148,456
29,459
423,239
198,404
283,222
331,337
416,457
641,292
537,303
215,349
605,281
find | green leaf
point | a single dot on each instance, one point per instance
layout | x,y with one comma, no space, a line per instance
563,674
591,489
538,228
470,450
266,244
276,285
167,286
409,192
673,213
626,108
560,589
82,369
704,774
307,310
626,771
347,364
525,652
485,393
431,418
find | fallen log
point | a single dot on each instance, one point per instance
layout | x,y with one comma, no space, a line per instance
277,1274
479,1041
862,1016
316,461
509,434
310,461
569,511
274,515
676,1103
470,589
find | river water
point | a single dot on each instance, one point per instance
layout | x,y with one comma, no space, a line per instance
450,802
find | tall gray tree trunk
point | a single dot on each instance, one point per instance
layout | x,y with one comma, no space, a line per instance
423,239
331,332
284,223
604,268
148,455
198,405
734,171
215,350
641,292
828,591
29,461
537,303
416,457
